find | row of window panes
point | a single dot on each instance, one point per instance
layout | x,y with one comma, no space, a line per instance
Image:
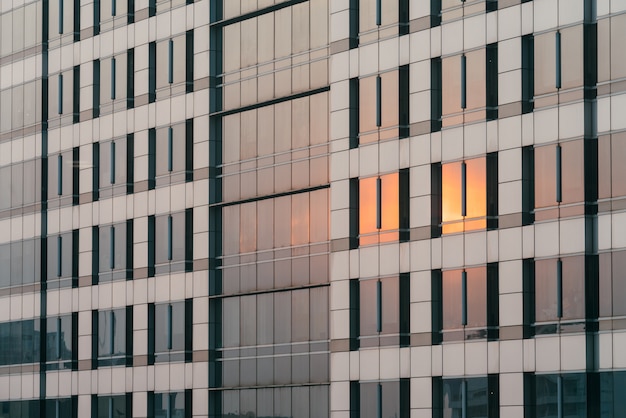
20,106
20,29
275,148
20,263
20,185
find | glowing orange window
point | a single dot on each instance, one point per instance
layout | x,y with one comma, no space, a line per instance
468,195
383,208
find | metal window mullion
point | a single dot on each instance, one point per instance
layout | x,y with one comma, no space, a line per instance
559,174
170,149
113,7
559,397
463,81
169,238
558,60
464,298
379,202
170,67
60,17
559,289
59,175
379,98
169,327
463,399
59,255
58,338
112,248
113,156
110,407
379,306
60,93
379,401
463,189
113,78
379,12
112,331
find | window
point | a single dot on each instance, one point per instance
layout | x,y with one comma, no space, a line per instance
113,256
384,106
171,249
380,399
612,400
62,254
383,311
381,19
612,267
63,175
63,96
465,304
174,65
469,86
170,331
62,407
470,397
611,171
19,342
21,409
558,287
468,193
113,337
20,262
383,208
63,19
169,405
171,154
118,406
62,342
454,9
611,56
108,14
114,167
561,395
114,83
559,65
559,180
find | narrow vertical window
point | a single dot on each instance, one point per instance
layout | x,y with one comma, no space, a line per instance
112,249
112,162
559,289
379,203
379,391
60,90
170,149
60,17
463,189
557,39
170,62
110,407
559,180
112,333
59,175
59,255
378,12
464,298
169,327
58,342
169,238
378,101
113,79
379,306
113,7
463,82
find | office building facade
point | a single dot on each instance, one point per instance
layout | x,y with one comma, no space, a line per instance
310,208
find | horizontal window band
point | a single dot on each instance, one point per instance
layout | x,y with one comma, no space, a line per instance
255,13
272,196
291,385
265,291
270,102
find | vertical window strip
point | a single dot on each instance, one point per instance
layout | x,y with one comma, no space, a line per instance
60,94
559,184
168,406
112,331
112,249
60,17
113,7
59,255
112,163
558,60
170,149
169,327
379,203
463,189
559,288
379,401
463,399
379,306
59,175
559,396
379,99
169,238
110,407
464,298
57,407
113,78
170,67
463,81
58,339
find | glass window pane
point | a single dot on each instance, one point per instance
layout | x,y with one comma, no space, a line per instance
545,63
572,57
545,176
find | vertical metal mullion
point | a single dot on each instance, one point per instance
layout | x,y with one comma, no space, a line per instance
464,298
463,81
559,397
558,60
110,407
170,67
379,202
113,7
463,189
57,409
379,306
112,163
58,338
60,94
463,399
169,238
559,289
169,327
113,78
59,174
168,406
59,255
170,149
112,331
379,110
378,12
559,179
112,249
